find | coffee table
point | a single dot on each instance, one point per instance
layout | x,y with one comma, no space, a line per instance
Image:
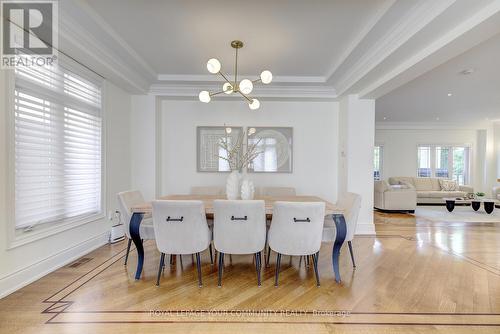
451,201
488,203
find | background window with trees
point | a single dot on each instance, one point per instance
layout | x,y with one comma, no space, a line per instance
444,161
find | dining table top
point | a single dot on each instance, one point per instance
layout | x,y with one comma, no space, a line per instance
208,201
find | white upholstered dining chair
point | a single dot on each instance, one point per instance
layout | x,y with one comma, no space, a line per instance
296,230
239,228
126,200
180,228
276,191
208,190
351,204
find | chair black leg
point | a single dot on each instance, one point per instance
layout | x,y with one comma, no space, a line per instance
211,256
315,260
352,254
128,251
268,256
258,265
162,260
278,263
171,259
221,264
180,259
198,267
307,261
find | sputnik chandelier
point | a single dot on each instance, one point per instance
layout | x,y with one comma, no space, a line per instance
244,87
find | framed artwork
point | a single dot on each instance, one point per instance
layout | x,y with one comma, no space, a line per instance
275,147
208,150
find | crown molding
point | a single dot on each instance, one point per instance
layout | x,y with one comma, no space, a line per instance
192,91
408,25
360,37
90,50
453,35
215,78
379,125
117,38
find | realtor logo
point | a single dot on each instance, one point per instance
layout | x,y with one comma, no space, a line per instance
29,33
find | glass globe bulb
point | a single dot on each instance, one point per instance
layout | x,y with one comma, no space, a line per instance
229,130
213,66
246,86
227,88
204,96
254,105
251,131
266,77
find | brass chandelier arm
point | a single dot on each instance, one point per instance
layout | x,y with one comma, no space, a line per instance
246,97
256,80
217,93
225,78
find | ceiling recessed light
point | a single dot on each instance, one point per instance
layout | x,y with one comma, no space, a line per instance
450,94
385,118
467,71
437,118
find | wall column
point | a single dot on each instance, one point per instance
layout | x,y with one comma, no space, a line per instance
357,140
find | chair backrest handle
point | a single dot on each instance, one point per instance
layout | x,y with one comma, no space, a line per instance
174,219
307,220
239,218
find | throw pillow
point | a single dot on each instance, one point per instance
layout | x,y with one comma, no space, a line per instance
448,185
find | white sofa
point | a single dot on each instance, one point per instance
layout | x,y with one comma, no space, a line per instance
394,197
428,189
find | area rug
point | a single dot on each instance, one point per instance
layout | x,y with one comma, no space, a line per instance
460,214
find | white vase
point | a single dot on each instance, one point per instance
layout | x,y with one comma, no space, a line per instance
233,185
247,189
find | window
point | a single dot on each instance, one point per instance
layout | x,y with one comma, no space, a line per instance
445,161
378,154
58,125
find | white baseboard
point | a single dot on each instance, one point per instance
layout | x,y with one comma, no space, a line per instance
365,229
33,272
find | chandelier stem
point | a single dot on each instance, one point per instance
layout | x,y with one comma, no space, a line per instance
236,68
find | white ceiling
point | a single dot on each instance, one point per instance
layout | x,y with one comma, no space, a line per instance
290,37
475,97
389,50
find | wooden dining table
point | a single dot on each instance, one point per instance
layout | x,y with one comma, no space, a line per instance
143,210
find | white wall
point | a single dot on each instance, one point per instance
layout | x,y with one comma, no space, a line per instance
143,145
26,263
315,143
400,149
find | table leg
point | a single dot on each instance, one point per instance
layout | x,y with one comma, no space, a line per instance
339,241
135,224
450,205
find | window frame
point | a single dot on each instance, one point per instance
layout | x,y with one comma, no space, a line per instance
380,163
468,180
17,236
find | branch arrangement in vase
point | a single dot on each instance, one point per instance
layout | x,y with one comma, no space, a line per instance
237,157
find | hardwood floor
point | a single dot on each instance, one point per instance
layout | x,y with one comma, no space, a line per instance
415,276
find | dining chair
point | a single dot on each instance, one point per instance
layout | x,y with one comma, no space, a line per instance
180,228
208,190
126,200
277,191
239,228
296,230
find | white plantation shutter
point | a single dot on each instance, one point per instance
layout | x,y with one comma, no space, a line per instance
58,161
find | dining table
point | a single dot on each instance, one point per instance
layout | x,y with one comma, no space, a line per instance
140,211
